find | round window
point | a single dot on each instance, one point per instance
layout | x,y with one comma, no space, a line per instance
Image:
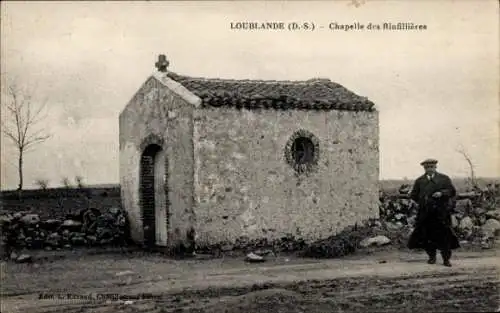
302,151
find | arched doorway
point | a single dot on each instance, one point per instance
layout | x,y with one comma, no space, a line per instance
153,195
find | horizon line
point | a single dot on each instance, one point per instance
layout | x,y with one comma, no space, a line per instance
114,185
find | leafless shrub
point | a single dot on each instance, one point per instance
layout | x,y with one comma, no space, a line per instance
42,183
66,182
79,181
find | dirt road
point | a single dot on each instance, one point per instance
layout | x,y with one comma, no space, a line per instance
386,281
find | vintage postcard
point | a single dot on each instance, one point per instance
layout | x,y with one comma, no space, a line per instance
250,156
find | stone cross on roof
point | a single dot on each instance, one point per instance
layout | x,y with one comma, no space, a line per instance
162,63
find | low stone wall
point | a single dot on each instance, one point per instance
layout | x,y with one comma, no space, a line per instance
89,228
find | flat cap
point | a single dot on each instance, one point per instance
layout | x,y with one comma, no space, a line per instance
429,161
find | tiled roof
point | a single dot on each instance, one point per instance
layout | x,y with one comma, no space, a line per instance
313,94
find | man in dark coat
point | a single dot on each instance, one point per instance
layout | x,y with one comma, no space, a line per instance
433,192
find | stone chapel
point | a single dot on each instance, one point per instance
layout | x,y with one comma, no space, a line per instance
253,159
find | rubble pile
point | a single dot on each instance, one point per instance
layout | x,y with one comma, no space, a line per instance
90,227
372,232
288,243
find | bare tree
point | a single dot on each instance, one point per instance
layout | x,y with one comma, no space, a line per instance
471,166
42,183
22,115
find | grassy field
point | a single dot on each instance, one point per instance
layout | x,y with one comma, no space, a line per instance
58,202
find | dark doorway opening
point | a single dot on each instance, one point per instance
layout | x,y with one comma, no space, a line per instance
147,193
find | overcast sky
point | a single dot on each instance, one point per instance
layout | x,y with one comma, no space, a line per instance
436,90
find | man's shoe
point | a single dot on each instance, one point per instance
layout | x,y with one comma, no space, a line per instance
432,261
447,263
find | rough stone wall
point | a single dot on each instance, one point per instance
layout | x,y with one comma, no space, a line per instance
159,115
244,186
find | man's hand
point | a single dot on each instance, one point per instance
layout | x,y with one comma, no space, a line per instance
437,194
